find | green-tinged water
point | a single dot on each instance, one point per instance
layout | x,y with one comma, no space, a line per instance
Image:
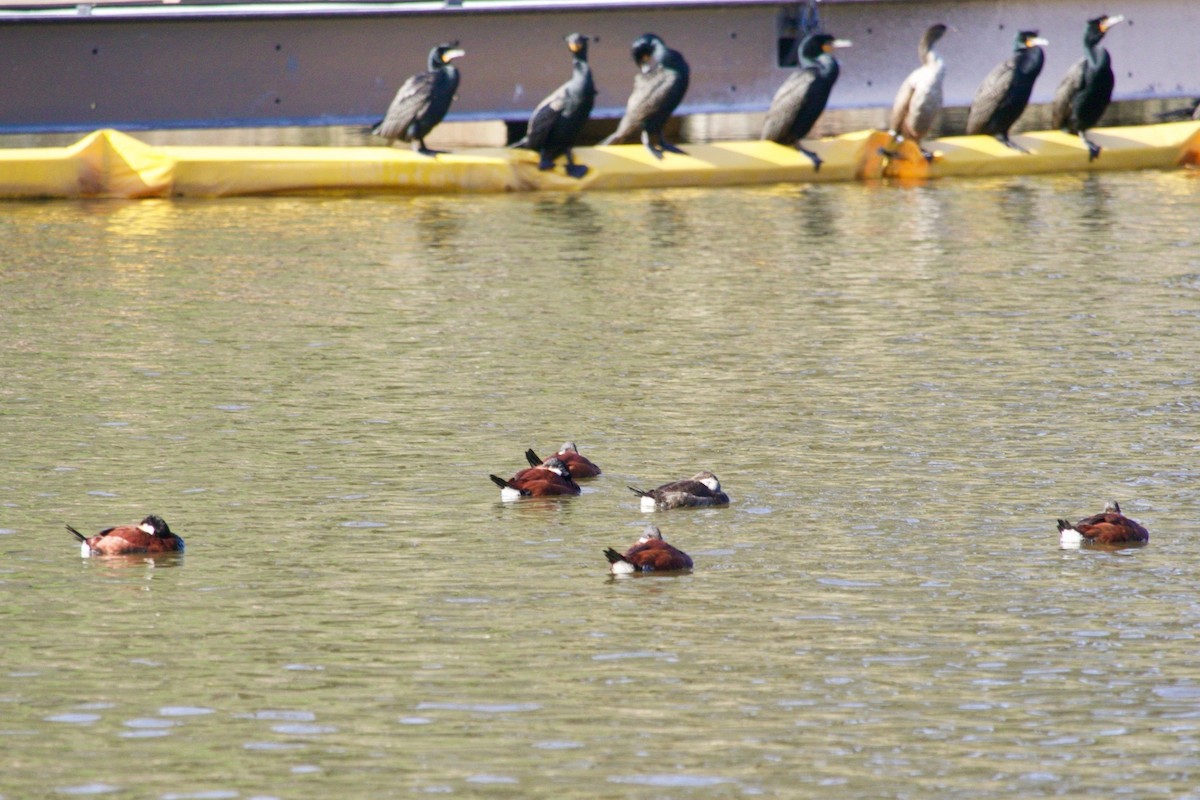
900,388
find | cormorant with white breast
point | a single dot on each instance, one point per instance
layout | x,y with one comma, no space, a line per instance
920,97
657,91
556,122
1085,92
802,97
423,100
1002,97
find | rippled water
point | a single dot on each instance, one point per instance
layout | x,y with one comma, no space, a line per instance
900,388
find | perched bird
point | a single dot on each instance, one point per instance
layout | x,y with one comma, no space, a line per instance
423,100
649,554
151,535
1002,97
657,91
556,122
579,465
702,489
1110,527
1085,92
551,479
802,97
920,97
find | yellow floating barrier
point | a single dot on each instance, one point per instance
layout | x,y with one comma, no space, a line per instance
108,163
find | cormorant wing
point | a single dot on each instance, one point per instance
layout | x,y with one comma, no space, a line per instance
786,105
544,117
903,100
411,101
990,95
651,91
1063,109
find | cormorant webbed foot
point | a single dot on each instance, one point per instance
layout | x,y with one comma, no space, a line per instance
816,159
419,147
577,170
654,149
1007,142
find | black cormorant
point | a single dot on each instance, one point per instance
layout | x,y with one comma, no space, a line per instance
557,121
1084,93
920,97
1002,97
657,91
802,97
423,100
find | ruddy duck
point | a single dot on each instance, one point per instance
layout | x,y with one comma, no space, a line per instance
151,535
548,480
1111,527
579,465
649,554
702,489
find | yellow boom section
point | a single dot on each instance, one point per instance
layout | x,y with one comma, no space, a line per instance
108,163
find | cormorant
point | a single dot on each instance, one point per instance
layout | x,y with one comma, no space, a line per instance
1084,93
657,91
920,97
423,100
1002,97
557,120
802,97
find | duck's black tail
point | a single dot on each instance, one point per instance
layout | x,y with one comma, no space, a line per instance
78,535
638,492
612,555
532,458
503,484
1063,525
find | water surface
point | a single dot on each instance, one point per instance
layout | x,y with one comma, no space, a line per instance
900,388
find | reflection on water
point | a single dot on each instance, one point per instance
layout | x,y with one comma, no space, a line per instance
901,388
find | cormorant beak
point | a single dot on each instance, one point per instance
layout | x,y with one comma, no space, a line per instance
1110,21
450,55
